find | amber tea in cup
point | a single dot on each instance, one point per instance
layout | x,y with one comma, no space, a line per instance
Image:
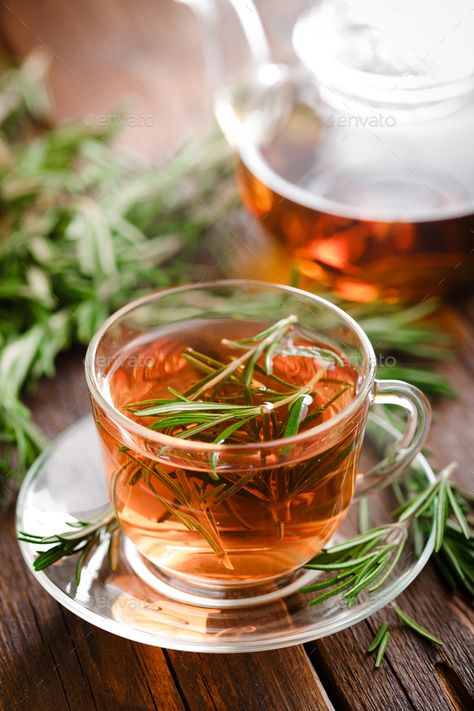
232,416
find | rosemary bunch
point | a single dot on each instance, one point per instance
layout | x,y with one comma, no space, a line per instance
364,563
82,232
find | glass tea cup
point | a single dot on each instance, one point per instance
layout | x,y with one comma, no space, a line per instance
228,519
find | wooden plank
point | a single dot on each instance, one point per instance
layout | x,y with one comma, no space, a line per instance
414,670
51,660
280,679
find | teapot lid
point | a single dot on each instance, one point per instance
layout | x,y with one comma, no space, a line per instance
403,56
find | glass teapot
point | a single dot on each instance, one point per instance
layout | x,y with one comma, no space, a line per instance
353,127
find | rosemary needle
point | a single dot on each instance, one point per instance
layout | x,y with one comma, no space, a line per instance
415,626
382,648
378,637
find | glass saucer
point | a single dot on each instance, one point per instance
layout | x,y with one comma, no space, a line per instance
138,603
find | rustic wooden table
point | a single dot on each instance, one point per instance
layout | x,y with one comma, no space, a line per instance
51,660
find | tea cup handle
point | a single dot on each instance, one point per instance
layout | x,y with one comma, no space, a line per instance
397,392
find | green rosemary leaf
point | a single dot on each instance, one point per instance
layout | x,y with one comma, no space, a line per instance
272,330
234,488
250,367
290,386
159,474
83,539
373,534
85,555
415,626
441,514
410,507
179,406
297,413
363,515
444,571
456,509
47,558
321,585
392,565
338,565
269,357
178,396
193,523
378,637
372,573
382,648
426,505
327,357
189,434
418,537
230,430
331,593
456,565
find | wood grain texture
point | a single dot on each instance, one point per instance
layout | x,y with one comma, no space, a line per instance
281,679
49,660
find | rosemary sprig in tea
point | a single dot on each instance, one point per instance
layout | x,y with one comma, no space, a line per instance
187,415
206,412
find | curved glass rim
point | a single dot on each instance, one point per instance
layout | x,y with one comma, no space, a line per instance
194,445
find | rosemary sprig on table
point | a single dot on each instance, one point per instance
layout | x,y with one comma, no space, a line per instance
365,562
82,538
83,231
382,637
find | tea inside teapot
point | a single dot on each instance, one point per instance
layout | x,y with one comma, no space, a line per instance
365,178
